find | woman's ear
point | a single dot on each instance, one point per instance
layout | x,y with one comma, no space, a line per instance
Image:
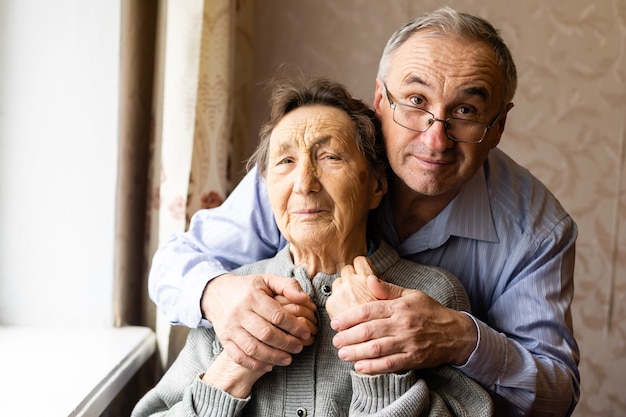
380,188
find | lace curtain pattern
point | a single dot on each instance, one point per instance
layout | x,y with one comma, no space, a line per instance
197,93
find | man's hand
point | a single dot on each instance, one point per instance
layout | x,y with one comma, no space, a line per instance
254,328
405,329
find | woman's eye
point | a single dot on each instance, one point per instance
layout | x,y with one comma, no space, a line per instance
285,161
329,157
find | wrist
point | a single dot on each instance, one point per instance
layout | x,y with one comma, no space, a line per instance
471,333
208,297
231,377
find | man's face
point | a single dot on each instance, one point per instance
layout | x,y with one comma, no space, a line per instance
448,78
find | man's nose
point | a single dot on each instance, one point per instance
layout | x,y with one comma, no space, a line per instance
435,137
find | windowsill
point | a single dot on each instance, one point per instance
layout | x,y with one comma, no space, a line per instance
68,371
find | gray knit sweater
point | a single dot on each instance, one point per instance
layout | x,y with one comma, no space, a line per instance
318,383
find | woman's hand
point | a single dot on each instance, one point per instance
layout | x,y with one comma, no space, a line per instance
226,374
304,312
351,289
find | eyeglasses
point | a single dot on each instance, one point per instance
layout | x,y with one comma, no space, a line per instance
419,120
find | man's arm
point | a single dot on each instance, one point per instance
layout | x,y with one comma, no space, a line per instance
526,353
241,231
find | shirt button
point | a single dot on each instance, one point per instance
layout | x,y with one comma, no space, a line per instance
301,412
327,290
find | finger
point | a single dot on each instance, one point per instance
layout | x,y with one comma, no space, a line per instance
306,309
273,313
371,349
363,266
270,335
347,270
386,364
301,312
384,290
313,328
252,354
361,313
288,287
359,333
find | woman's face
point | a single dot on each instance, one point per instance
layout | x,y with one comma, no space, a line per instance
318,182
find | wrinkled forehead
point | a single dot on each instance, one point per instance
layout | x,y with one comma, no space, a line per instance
313,125
448,66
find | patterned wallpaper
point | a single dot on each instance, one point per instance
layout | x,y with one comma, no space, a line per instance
567,127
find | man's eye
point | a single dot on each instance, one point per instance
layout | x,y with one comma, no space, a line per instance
416,101
465,111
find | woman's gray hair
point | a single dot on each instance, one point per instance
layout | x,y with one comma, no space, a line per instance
445,22
290,93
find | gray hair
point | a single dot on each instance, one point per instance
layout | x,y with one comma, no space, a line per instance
290,93
446,21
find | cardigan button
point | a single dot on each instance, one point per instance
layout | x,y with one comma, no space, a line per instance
327,290
301,412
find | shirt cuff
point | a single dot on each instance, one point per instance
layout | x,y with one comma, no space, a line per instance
191,295
485,363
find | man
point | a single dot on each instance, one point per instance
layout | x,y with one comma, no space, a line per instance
443,91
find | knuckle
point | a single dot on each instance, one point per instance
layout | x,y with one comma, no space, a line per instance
278,316
376,350
368,331
250,349
266,333
238,356
390,364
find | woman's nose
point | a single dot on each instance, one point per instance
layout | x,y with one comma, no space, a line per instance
307,179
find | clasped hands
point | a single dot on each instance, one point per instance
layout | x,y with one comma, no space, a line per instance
262,320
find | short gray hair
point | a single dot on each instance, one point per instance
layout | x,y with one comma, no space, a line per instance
446,21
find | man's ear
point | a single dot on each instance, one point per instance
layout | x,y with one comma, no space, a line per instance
501,123
379,95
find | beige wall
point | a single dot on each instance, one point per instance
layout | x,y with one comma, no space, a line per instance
567,127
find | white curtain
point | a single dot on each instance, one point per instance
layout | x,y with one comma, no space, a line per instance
195,101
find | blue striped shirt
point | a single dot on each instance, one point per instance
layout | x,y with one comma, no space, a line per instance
506,238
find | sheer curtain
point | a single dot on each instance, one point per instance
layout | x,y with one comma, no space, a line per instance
193,155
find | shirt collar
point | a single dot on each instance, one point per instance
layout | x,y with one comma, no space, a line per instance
468,216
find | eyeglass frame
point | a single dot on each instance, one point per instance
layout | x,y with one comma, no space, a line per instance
433,119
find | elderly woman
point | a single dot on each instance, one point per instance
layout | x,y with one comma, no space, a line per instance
321,159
